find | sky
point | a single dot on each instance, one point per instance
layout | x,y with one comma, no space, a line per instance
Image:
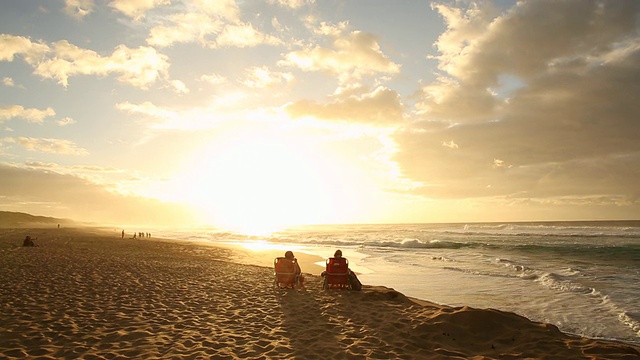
252,115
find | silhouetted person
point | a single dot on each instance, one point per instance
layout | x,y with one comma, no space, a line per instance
28,241
298,272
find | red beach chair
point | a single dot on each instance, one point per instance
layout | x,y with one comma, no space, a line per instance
337,274
284,273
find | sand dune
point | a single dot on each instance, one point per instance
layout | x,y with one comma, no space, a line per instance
83,294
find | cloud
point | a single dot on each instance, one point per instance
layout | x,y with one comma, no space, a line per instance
71,169
44,191
450,144
382,106
567,133
79,8
480,47
223,110
136,9
65,121
212,24
262,77
507,44
293,4
352,55
146,108
179,87
11,45
137,67
47,145
448,99
223,9
212,33
7,81
244,35
215,79
31,115
185,28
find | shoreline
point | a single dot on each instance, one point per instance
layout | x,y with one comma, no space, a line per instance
83,292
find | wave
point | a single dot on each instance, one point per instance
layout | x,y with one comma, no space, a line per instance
562,284
621,252
582,228
479,272
523,274
581,233
565,284
391,240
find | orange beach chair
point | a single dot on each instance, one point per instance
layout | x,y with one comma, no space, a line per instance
336,274
284,273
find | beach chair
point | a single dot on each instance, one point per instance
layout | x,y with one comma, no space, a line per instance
336,275
284,273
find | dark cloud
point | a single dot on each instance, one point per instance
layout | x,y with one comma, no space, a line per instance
569,132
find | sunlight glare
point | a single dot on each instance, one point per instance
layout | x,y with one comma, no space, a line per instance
259,182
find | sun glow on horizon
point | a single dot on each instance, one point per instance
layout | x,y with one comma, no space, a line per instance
267,179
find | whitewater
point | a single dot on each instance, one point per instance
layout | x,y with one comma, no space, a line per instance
583,277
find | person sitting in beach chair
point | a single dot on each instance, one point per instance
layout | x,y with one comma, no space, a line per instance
287,272
337,274
28,241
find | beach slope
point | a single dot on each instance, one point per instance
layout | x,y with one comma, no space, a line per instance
88,294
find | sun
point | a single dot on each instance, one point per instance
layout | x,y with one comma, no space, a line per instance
256,177
257,182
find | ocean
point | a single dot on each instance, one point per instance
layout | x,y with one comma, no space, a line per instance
583,277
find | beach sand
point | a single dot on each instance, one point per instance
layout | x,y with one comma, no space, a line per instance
85,294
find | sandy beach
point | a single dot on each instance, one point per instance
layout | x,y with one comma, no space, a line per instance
83,293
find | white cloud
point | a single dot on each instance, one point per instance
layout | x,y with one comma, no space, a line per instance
450,144
353,54
11,45
47,145
185,28
498,163
244,35
31,115
146,108
65,121
213,28
261,77
215,79
72,168
79,8
7,81
223,9
179,87
276,24
137,67
136,9
294,4
381,106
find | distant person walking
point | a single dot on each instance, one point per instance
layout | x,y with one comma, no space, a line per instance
123,234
